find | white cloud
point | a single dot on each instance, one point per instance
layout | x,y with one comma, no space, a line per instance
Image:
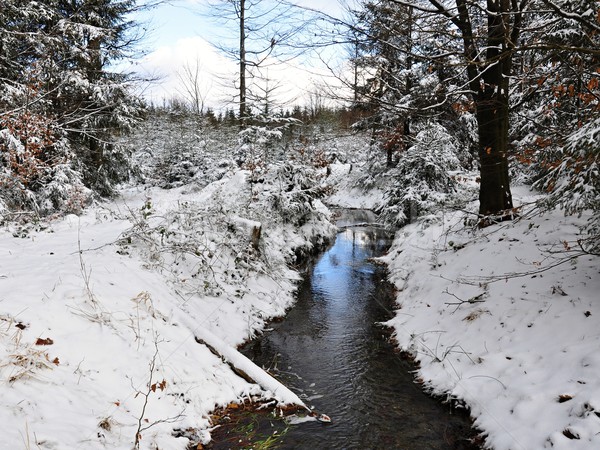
218,74
167,61
179,44
295,79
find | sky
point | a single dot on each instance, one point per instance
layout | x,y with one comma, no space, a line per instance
179,34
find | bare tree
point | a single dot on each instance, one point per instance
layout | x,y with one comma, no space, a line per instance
265,30
194,84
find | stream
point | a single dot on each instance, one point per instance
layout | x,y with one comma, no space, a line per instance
332,351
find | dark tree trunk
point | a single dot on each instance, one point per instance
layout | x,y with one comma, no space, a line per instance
242,18
489,72
491,101
492,119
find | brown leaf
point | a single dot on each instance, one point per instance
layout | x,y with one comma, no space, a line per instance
56,361
564,398
41,341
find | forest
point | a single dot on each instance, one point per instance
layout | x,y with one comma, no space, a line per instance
507,82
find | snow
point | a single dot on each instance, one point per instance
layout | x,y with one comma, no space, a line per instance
504,319
103,315
89,304
347,194
244,364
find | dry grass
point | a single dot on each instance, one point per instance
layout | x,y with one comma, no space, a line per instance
22,360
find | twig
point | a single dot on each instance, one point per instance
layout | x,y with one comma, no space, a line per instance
84,272
487,376
493,279
152,387
475,299
146,394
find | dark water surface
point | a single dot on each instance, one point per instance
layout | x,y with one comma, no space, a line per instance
331,351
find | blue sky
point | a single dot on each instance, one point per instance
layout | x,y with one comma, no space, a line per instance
171,22
179,34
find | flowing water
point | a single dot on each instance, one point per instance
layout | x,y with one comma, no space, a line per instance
332,351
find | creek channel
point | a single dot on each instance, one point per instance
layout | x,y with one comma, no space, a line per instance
332,350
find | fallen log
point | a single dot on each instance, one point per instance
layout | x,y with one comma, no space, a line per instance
246,369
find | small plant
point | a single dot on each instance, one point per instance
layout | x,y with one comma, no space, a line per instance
151,387
256,426
25,361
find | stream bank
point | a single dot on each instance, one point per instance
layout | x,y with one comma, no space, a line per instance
333,353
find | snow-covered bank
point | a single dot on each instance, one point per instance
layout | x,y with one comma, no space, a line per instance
99,314
349,193
506,319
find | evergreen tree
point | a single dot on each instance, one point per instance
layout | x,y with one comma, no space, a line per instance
384,56
486,58
557,111
55,61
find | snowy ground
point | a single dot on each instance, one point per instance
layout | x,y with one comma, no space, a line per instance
506,320
99,314
347,193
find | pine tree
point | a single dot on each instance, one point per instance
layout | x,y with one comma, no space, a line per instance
487,58
55,62
383,53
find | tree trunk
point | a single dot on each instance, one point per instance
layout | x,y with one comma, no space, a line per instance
493,114
242,62
492,119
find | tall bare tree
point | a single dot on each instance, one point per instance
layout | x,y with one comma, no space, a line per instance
264,32
194,84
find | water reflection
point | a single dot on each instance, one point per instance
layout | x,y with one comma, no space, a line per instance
332,352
